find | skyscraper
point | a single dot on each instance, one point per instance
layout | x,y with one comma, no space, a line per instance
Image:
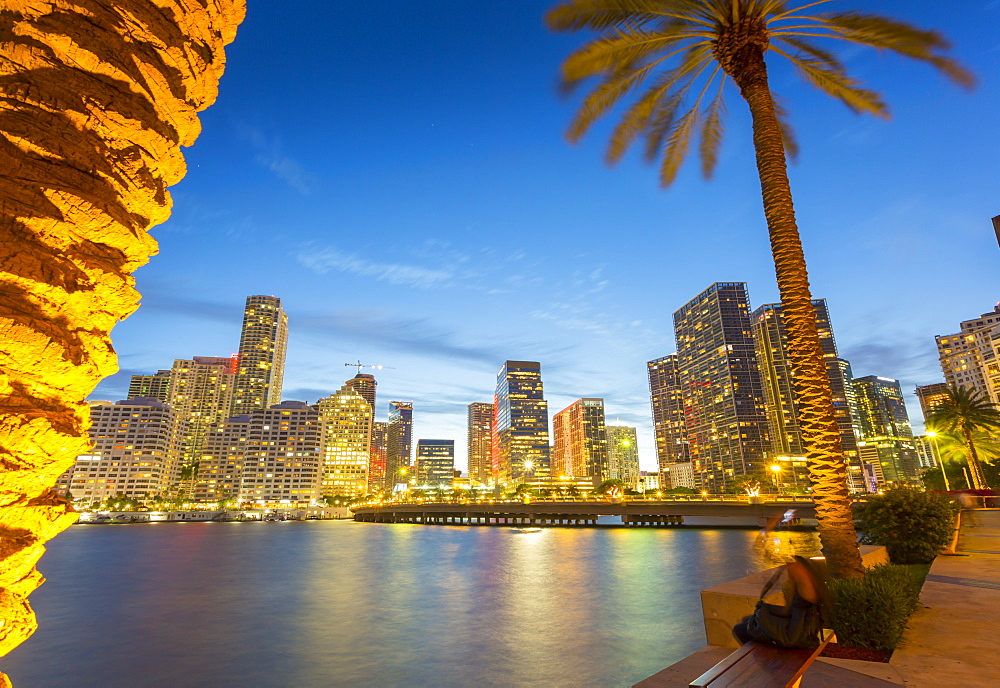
971,358
398,444
346,419
150,386
376,461
623,454
668,412
780,395
261,355
581,441
364,385
435,462
887,438
201,392
521,424
282,455
480,425
720,383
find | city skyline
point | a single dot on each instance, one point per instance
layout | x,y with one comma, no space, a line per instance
445,237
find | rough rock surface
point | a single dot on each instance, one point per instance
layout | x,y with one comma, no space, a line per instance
96,99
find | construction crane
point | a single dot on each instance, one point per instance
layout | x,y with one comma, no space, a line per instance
359,365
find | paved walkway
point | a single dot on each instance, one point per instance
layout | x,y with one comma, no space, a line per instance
951,640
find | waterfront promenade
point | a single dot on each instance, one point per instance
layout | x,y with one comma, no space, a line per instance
950,639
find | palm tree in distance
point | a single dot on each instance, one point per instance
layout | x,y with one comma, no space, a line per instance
968,413
682,51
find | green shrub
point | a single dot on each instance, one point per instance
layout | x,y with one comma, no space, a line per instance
913,525
871,612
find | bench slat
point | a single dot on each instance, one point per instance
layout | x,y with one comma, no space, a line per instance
761,666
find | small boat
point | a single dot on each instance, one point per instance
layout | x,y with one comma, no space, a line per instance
526,530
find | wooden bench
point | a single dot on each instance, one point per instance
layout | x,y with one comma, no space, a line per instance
762,666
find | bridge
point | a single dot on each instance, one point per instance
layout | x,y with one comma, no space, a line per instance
644,513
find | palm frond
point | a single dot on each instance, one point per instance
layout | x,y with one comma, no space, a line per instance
637,118
677,146
787,134
905,39
661,122
711,131
619,50
814,52
600,15
836,83
604,97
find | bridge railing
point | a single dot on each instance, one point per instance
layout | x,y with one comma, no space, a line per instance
628,499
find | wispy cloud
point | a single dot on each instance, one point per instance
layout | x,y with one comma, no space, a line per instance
325,260
269,154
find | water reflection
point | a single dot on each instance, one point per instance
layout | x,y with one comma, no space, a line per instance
347,604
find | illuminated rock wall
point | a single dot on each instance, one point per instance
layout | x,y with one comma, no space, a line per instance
96,99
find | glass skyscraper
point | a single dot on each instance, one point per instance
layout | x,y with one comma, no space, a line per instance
623,454
435,462
885,427
261,355
398,444
720,384
521,424
668,412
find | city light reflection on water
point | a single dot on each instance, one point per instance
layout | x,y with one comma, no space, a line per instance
340,603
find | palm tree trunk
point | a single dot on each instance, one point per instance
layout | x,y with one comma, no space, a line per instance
96,98
975,468
820,432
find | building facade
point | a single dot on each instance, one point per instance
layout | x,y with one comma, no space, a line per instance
930,396
261,367
346,420
720,383
201,392
521,424
399,445
376,461
137,452
480,443
971,358
667,400
581,441
623,456
435,464
282,456
150,386
885,429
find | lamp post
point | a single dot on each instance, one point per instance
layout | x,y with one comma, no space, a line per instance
933,435
777,475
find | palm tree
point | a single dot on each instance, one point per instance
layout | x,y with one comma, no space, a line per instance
966,412
97,99
683,51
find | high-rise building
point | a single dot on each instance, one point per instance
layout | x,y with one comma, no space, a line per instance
623,455
581,442
435,462
220,471
398,444
931,395
346,418
365,385
150,386
668,412
521,424
376,461
136,452
283,456
201,392
480,424
885,425
971,358
262,355
782,400
720,383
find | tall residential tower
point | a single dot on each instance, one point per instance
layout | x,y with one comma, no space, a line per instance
261,355
521,424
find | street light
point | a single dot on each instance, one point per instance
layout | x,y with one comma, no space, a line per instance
777,470
937,458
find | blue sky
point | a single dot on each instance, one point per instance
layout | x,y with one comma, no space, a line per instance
398,174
